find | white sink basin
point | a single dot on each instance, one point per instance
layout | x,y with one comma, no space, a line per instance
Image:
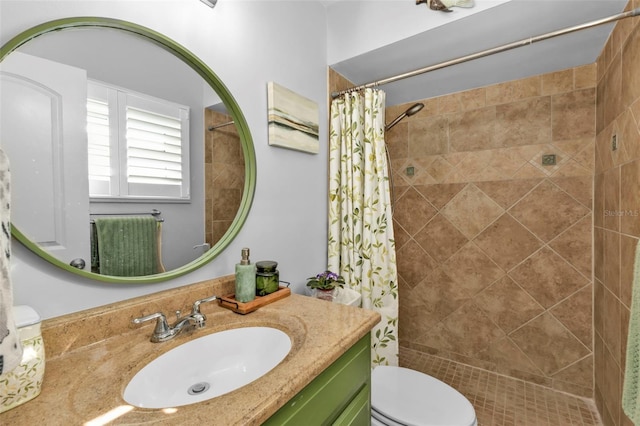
207,367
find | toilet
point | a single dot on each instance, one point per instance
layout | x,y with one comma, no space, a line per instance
400,396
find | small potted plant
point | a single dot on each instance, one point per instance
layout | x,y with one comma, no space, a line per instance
324,284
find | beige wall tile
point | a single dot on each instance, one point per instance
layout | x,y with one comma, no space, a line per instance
400,235
440,239
472,269
611,327
472,130
471,211
573,114
574,245
514,90
635,110
473,99
439,296
507,242
598,200
428,136
613,91
628,247
450,103
506,193
548,210
611,391
612,262
628,137
507,304
598,313
466,331
548,344
575,312
630,65
612,199
580,373
547,277
439,195
412,211
630,198
414,264
557,82
579,187
527,122
598,253
505,353
397,140
585,76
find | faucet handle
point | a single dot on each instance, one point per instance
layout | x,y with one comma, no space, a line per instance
196,305
162,327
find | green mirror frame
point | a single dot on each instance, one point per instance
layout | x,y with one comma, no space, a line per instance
212,79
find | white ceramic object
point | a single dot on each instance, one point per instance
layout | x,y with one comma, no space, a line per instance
400,396
207,367
347,296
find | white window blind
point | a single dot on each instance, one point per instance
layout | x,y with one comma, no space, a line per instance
99,146
138,145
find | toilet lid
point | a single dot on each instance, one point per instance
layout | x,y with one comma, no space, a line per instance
416,399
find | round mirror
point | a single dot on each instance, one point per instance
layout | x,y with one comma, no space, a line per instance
111,126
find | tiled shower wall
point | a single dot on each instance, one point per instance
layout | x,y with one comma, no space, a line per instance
616,210
493,246
224,175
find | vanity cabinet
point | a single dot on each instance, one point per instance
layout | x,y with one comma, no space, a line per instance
340,395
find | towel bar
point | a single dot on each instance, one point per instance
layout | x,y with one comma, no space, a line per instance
155,213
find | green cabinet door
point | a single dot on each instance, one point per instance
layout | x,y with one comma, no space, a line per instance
340,395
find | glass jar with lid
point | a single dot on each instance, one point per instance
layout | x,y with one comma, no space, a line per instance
267,277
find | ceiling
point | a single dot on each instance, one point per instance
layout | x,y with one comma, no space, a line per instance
509,22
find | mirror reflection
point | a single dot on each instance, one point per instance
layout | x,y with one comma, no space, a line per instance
110,133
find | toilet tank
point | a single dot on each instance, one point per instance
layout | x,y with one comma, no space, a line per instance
24,382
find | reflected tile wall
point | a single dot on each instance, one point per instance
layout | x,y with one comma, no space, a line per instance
224,175
493,247
616,210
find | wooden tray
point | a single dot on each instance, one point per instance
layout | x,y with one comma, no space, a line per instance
230,301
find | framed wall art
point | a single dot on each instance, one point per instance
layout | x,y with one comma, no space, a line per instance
293,120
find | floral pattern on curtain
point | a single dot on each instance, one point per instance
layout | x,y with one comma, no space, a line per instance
361,242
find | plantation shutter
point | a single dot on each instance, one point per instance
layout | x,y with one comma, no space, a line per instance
98,133
139,146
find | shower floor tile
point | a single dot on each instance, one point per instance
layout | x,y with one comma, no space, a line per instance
503,401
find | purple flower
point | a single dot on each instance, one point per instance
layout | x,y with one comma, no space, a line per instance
326,280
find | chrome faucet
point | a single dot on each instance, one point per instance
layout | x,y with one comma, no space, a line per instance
164,331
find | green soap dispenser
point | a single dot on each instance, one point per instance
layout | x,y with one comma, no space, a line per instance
245,278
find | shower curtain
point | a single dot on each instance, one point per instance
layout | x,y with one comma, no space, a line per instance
361,245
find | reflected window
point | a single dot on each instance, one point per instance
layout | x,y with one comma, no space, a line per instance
138,145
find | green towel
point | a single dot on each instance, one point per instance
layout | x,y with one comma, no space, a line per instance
127,246
631,386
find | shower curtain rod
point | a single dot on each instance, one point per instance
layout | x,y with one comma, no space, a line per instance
217,126
491,51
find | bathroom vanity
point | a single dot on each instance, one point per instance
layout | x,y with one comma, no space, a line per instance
92,355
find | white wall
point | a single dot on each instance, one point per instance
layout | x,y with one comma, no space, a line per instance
350,24
247,44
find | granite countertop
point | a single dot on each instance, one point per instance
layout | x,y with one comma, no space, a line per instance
90,362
